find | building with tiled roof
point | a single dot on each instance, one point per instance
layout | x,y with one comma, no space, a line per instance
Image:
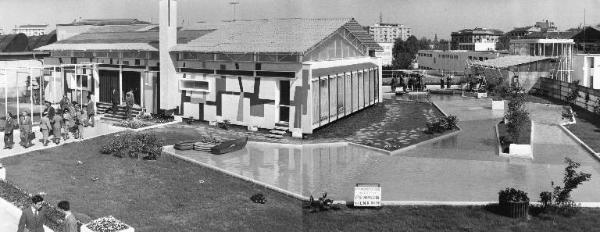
288,74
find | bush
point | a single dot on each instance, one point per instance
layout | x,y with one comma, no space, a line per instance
516,115
512,195
442,124
559,200
132,123
134,145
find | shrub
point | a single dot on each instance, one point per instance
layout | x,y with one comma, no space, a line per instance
258,198
512,195
597,106
516,115
134,145
321,204
132,123
559,200
574,93
567,113
442,124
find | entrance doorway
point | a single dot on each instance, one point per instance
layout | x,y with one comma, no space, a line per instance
109,80
131,81
284,103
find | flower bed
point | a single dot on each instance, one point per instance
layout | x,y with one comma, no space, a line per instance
145,120
106,224
507,143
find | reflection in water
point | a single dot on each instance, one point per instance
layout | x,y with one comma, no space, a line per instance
336,168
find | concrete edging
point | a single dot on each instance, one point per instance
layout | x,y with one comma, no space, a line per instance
583,144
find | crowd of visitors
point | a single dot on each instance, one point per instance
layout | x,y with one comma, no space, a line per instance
69,119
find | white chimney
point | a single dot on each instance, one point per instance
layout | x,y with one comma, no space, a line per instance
169,88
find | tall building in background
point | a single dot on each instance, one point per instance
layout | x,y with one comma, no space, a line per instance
385,34
476,39
32,30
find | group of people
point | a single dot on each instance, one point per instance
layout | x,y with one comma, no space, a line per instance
32,219
409,81
129,102
70,118
448,81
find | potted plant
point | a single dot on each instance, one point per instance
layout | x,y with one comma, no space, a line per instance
481,93
499,93
513,202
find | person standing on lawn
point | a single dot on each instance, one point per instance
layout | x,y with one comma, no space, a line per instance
70,223
32,218
25,125
91,110
56,125
45,127
9,127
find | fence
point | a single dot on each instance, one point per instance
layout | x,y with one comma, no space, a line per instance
588,98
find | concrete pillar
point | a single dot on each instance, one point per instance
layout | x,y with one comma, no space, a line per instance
308,119
169,97
120,84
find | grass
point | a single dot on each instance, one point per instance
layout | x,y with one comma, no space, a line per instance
166,195
524,137
587,127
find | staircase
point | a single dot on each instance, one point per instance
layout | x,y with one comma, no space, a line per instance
101,108
281,129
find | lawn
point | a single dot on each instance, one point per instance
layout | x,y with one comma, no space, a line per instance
390,125
174,195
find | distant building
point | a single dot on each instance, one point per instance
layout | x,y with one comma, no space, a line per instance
477,39
543,26
554,45
586,69
455,62
32,30
587,41
65,31
385,34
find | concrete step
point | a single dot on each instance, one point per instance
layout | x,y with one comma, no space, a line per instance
281,128
279,132
282,124
274,136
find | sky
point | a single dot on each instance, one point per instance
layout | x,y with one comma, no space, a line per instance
424,17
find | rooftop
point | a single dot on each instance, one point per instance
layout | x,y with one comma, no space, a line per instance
34,25
288,35
478,31
102,22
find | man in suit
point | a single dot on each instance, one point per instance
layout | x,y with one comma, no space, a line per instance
25,125
64,103
9,127
70,224
129,102
91,110
32,218
116,100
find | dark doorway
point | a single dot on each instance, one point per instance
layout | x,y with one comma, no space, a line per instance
131,81
284,103
109,80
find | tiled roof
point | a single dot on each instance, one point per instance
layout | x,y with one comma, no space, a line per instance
551,35
102,22
130,40
292,35
508,61
41,40
478,31
33,25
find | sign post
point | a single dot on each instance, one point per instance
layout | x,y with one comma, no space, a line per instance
367,195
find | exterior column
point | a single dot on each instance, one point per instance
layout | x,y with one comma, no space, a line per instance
120,84
307,121
143,75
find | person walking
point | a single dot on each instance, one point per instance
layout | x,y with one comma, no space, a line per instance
70,223
441,82
448,81
91,111
56,125
129,101
25,126
68,123
32,218
9,127
45,127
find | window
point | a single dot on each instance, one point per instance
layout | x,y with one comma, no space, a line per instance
237,66
223,67
137,62
257,66
81,81
193,85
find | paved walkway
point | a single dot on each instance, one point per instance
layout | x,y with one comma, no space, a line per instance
101,128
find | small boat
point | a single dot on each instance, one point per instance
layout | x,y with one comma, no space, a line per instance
229,146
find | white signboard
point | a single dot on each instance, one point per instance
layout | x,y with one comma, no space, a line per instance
367,195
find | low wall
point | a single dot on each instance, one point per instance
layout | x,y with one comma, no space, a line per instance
587,99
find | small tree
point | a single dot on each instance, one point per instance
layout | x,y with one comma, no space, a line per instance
517,116
574,93
560,197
